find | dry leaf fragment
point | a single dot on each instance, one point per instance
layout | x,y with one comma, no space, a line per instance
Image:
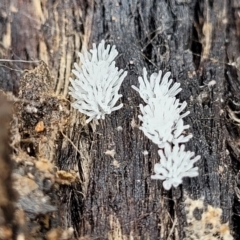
64,177
39,127
44,165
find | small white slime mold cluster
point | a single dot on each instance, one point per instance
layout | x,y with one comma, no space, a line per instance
95,90
162,122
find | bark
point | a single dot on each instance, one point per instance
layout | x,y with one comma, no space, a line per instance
6,166
198,42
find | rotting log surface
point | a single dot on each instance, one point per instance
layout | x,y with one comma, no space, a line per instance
198,42
7,196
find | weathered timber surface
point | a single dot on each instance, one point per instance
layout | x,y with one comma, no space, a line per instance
190,40
8,195
198,42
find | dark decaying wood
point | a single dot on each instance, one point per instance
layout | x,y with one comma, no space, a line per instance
8,195
113,196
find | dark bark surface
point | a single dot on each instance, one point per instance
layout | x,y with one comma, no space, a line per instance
198,41
8,195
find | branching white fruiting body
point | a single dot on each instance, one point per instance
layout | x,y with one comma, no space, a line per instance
157,87
162,122
95,88
162,117
175,164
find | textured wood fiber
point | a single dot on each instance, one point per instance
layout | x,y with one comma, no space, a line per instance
198,42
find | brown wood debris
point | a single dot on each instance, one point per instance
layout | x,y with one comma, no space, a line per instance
35,125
